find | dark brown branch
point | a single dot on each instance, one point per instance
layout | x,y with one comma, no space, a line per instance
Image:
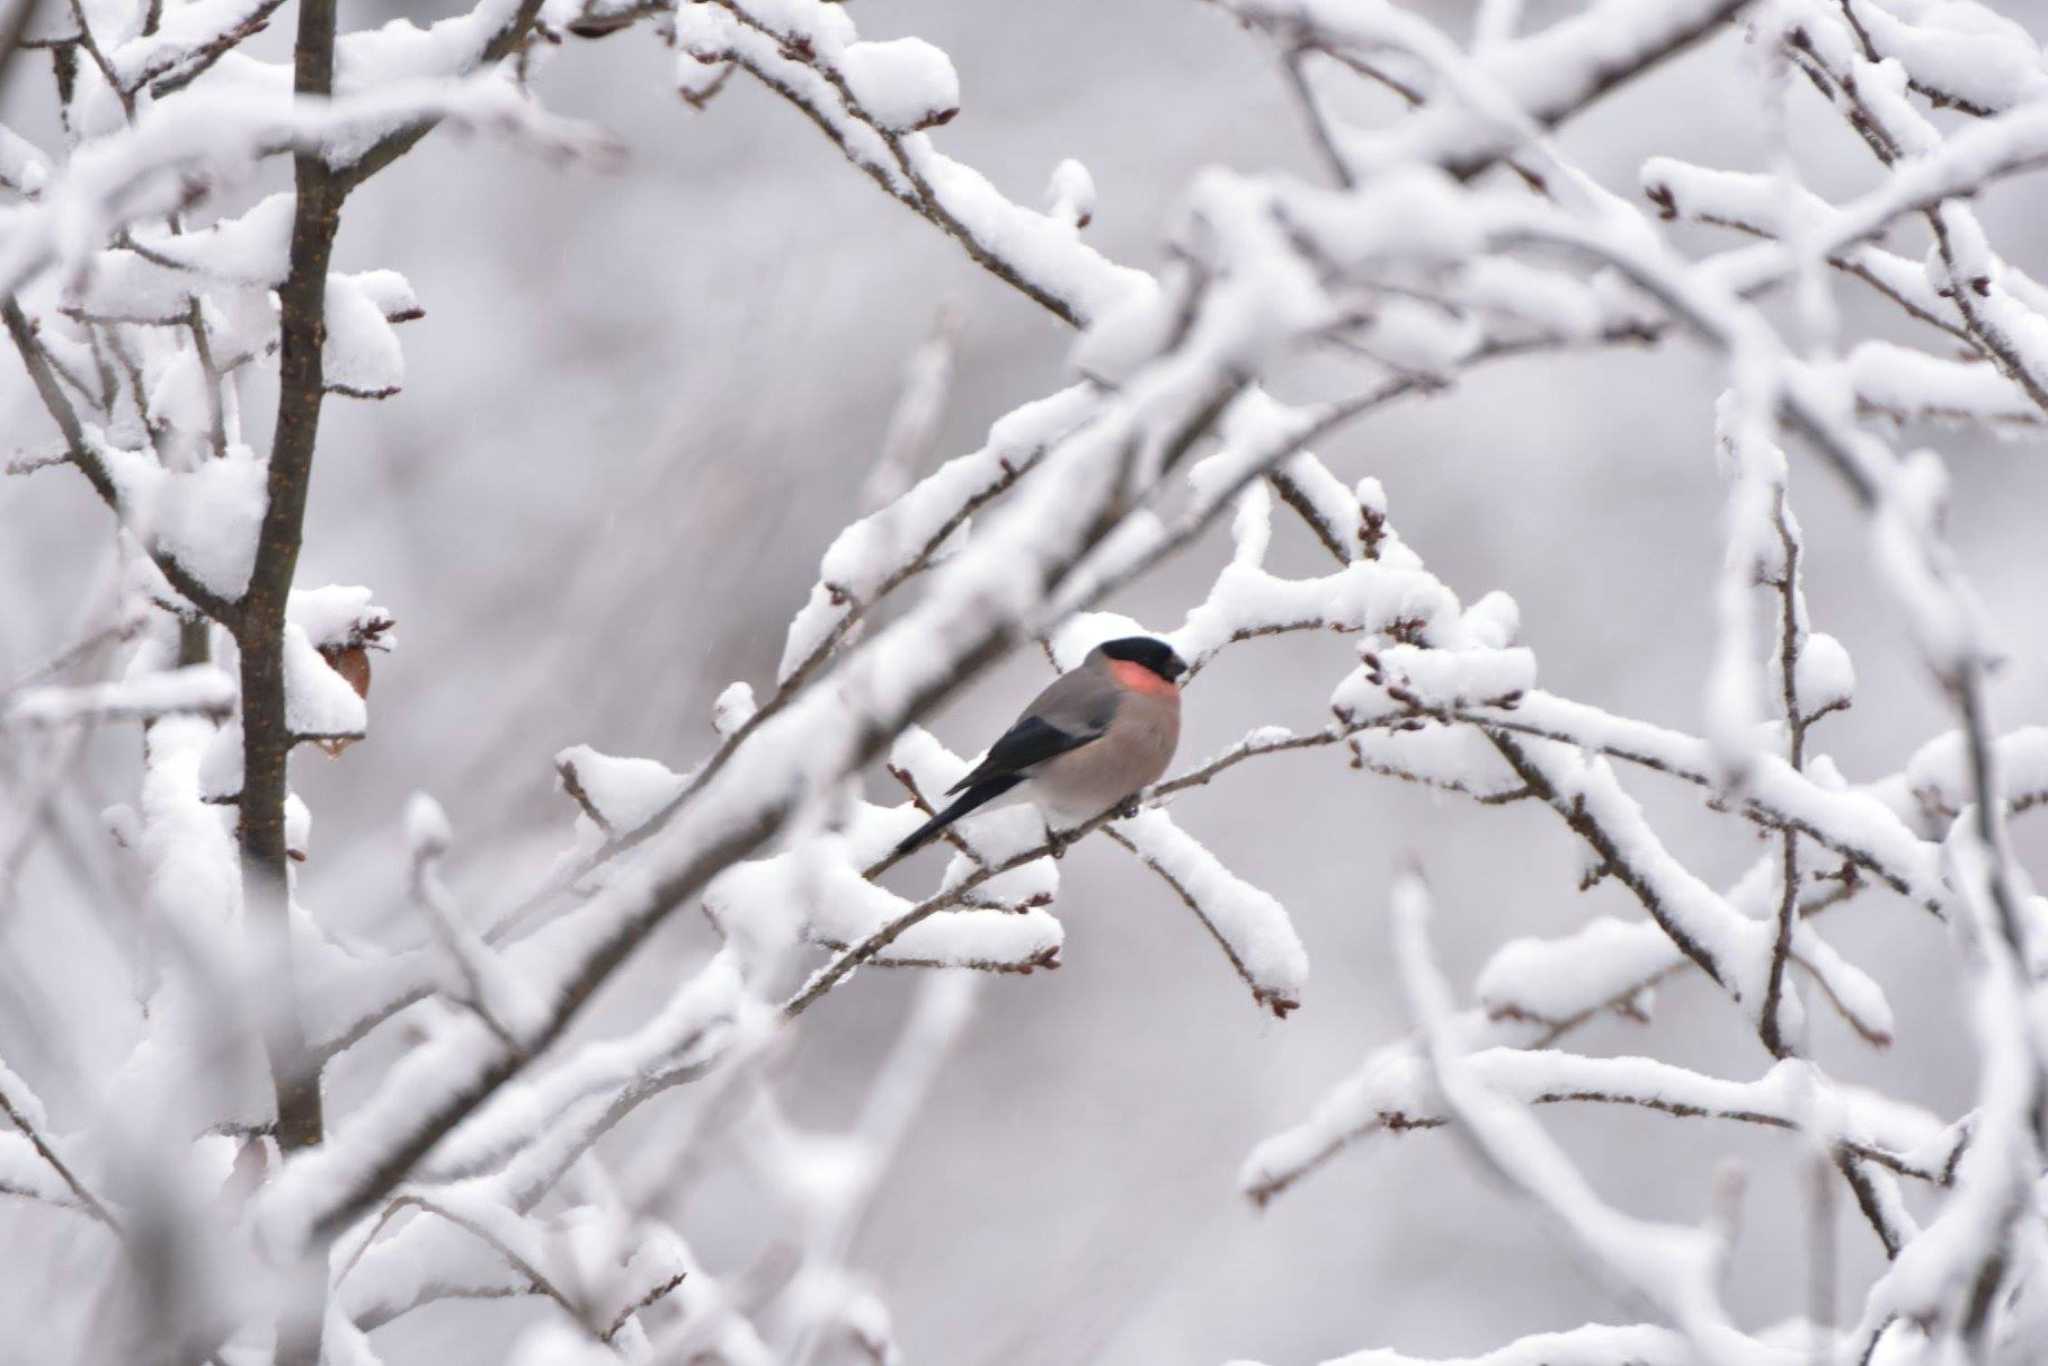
1048,959
1791,644
1870,1202
267,737
655,1294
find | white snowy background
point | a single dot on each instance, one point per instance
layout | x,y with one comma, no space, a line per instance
643,400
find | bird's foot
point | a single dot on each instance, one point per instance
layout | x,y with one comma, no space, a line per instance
1130,808
1056,842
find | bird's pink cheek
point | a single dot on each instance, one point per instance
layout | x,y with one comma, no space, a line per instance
1138,678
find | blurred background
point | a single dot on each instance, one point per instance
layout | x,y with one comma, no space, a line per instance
638,408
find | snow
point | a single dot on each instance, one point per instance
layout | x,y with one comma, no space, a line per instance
1493,622
201,689
1456,760
1855,993
1396,679
1070,194
1347,517
903,84
219,773
427,833
339,616
22,1169
1554,980
1939,775
360,356
1906,384
1825,676
206,518
1594,1344
623,794
482,979
733,709
1366,595
252,248
318,702
392,294
1124,336
1414,212
524,1143
835,905
23,167
1561,305
192,869
1965,50
697,78
298,826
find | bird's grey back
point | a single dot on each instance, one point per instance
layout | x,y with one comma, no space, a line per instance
1080,702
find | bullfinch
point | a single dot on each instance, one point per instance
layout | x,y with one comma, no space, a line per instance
1095,736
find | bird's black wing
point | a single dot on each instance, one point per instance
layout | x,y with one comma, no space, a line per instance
1025,745
1073,710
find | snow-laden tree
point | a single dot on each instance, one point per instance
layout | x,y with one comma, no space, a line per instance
217,1209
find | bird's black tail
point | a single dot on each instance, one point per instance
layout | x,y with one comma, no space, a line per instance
980,794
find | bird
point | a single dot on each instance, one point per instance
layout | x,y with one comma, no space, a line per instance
1096,736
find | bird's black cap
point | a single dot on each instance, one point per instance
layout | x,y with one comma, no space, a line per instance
1155,655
